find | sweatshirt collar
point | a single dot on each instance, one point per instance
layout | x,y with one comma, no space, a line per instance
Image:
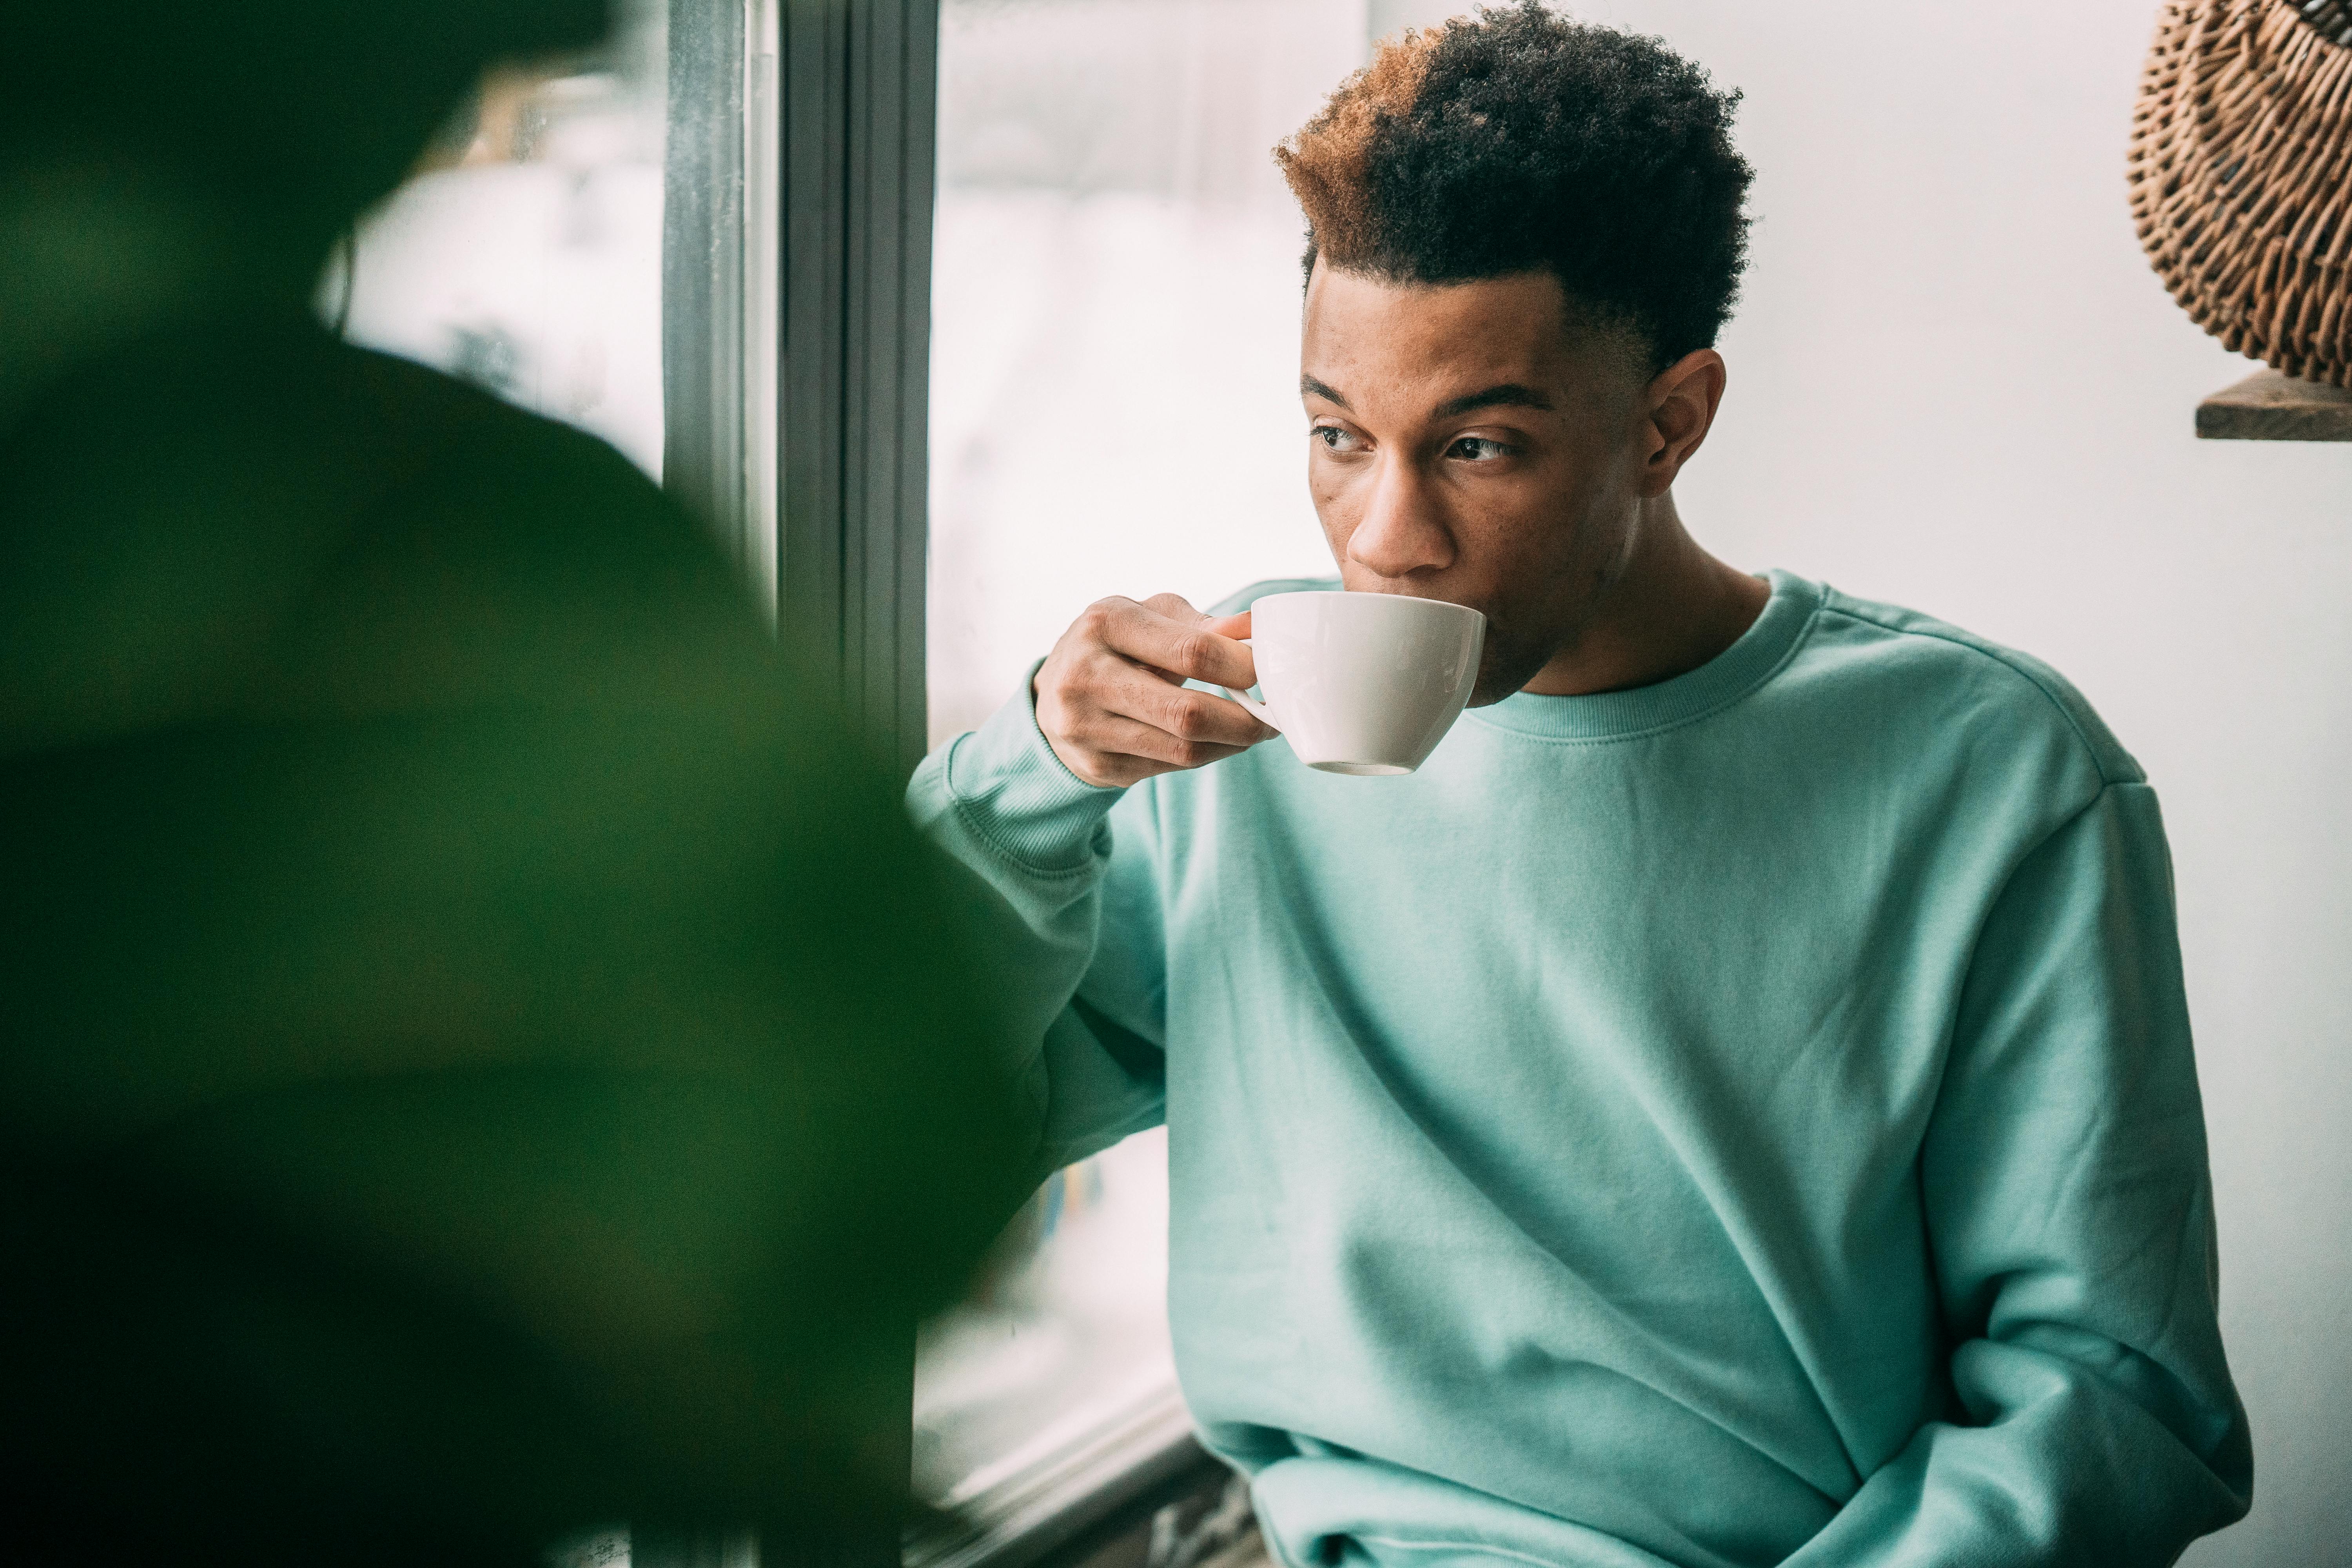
1722,680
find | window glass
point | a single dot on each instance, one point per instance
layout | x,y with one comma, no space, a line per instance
1116,293
1065,1332
525,252
1114,410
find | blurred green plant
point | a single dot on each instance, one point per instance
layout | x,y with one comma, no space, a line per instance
481,1052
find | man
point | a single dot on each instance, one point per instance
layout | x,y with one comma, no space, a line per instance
1734,1104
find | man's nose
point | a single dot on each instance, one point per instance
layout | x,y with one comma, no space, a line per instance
1400,532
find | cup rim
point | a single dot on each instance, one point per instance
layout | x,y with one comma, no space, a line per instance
1440,605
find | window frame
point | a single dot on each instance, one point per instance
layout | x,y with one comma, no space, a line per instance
796,323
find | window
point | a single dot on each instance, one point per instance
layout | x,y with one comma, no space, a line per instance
1116,292
525,253
1115,315
591,244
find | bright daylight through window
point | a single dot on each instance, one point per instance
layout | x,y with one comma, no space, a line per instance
525,253
1114,410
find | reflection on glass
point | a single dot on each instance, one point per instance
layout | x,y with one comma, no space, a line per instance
524,254
1114,410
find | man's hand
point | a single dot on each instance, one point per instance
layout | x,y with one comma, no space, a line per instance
1111,697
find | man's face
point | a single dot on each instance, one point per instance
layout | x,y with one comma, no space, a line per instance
1464,445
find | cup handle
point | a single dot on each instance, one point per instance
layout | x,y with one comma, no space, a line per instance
1259,710
1255,707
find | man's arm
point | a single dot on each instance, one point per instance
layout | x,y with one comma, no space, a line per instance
1032,805
2070,1212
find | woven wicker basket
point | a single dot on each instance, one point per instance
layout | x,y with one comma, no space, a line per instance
2241,175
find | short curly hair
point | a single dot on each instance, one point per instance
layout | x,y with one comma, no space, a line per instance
1517,141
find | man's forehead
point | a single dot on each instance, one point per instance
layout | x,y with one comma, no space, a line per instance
1441,342
1526,306
1446,405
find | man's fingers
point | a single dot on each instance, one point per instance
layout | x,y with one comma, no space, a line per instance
1112,698
1170,635
1111,736
1106,685
1180,711
1112,751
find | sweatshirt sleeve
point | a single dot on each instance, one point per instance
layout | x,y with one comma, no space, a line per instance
2070,1210
1068,887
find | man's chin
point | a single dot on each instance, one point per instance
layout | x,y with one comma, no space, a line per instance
1500,674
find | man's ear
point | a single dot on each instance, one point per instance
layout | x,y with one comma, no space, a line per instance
1680,401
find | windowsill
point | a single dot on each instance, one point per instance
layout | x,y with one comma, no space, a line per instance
1070,1476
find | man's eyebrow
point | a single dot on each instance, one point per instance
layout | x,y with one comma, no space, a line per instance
1309,387
1510,395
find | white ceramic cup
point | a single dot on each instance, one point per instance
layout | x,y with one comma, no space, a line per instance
1362,683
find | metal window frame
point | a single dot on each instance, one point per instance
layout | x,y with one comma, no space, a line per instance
859,106
704,373
797,327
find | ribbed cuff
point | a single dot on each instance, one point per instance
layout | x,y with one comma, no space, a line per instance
1006,785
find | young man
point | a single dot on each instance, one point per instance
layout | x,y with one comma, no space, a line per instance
1734,1104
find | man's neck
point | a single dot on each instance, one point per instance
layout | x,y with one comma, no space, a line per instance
1669,609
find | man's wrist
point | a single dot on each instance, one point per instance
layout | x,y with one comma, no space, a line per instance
1006,782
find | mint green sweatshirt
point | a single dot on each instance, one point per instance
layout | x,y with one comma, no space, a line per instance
1749,1119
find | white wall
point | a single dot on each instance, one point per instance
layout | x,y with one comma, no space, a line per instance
1956,385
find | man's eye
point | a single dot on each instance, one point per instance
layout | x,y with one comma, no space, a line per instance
1338,439
1477,449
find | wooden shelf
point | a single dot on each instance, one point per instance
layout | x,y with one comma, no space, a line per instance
2268,406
